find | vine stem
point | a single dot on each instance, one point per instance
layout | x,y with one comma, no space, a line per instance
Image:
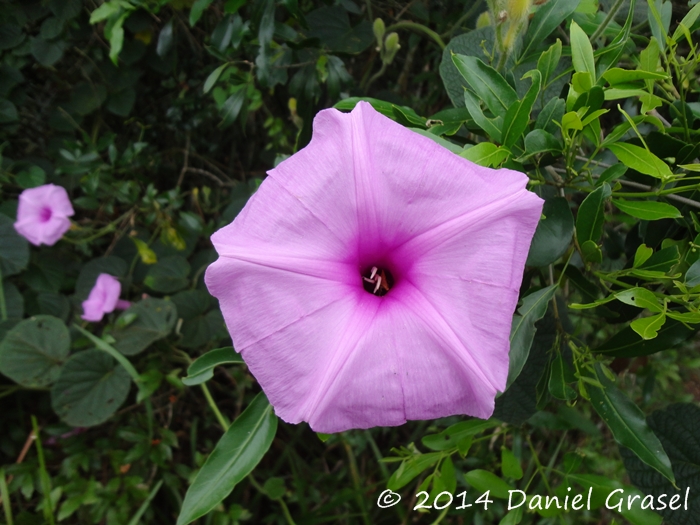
44,475
212,404
417,27
611,14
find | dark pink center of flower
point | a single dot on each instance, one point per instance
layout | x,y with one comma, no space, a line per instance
45,214
377,280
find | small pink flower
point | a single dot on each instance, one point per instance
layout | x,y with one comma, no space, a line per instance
103,298
373,277
42,214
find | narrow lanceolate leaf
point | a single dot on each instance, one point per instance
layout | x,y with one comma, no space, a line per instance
590,217
236,454
546,20
485,154
523,329
582,51
641,160
488,84
203,368
490,126
627,423
518,115
648,210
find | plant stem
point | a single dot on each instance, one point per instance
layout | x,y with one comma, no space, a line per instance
5,494
44,475
212,404
356,482
611,14
417,27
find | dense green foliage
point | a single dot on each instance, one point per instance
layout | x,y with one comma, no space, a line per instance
160,118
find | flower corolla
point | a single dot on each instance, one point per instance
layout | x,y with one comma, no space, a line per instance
103,298
42,214
373,276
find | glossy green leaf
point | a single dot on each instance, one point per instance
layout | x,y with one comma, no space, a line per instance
483,480
14,249
232,107
627,423
203,368
662,261
236,454
640,297
165,39
546,20
523,329
582,51
642,255
687,22
144,323
33,352
452,435
692,276
548,62
518,115
485,154
91,387
487,83
490,126
590,217
611,174
551,115
641,160
678,429
618,75
539,141
213,77
647,327
554,232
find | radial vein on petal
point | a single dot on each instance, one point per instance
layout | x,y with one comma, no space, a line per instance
328,270
437,323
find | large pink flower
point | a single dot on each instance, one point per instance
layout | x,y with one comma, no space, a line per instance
298,277
103,298
42,214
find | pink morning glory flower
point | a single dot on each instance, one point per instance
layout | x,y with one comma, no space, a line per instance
103,298
42,214
373,276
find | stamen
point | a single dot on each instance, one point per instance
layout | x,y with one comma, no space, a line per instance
374,272
378,285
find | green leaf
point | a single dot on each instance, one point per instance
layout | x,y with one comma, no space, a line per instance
582,51
642,255
198,8
144,323
626,421
518,115
687,22
692,276
33,352
213,77
648,210
559,378
678,429
551,114
553,235
232,107
104,11
485,154
168,275
539,141
627,343
546,19
235,456
452,435
483,480
641,160
591,252
590,217
612,173
647,327
510,465
617,75
640,297
33,177
91,387
490,126
663,260
488,84
203,368
412,467
466,44
523,329
14,249
548,62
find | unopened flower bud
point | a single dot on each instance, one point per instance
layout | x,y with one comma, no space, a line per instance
391,47
379,29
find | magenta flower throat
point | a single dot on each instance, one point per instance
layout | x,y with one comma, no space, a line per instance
373,277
